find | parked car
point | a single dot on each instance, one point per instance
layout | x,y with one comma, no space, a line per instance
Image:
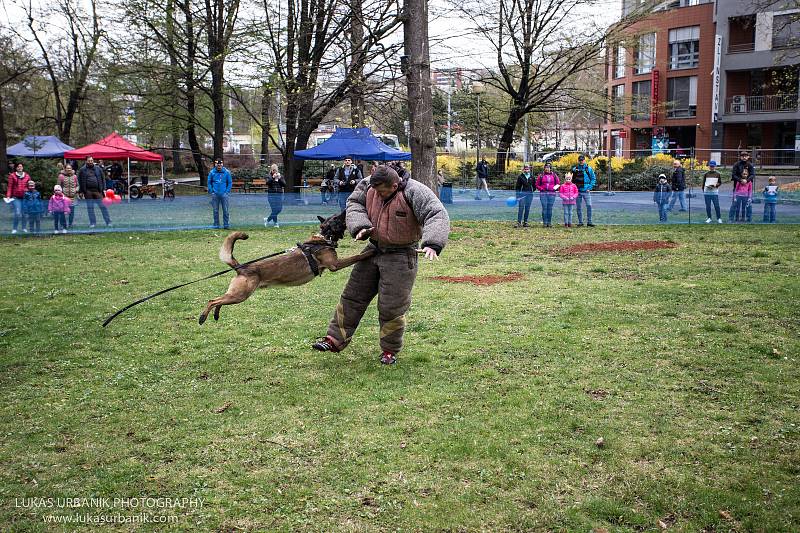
552,157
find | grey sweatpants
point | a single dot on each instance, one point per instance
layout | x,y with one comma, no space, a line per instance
391,276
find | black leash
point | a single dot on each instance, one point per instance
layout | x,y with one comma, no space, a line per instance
137,302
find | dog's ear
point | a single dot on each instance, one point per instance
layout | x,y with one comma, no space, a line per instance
320,218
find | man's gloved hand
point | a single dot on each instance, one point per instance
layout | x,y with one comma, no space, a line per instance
364,234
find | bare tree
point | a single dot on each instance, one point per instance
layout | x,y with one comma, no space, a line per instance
542,47
68,53
17,65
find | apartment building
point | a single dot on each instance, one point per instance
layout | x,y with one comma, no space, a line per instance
659,78
756,95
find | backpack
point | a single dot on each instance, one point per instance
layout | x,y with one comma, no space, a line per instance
578,176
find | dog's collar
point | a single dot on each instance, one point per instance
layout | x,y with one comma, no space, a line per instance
308,251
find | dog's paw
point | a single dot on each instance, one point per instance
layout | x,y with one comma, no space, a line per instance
202,318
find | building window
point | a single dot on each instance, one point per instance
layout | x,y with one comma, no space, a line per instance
618,103
786,30
682,97
684,47
619,61
645,54
640,100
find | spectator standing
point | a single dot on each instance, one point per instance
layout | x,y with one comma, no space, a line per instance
743,167
584,178
116,173
17,187
678,181
661,197
219,187
569,193
742,196
32,209
482,179
59,206
711,183
276,186
326,187
770,194
91,184
547,184
524,188
69,185
439,181
347,178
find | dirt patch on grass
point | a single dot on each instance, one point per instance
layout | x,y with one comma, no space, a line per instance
617,246
481,280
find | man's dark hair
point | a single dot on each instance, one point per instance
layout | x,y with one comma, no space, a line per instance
384,175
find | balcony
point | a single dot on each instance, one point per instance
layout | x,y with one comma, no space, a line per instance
741,48
776,103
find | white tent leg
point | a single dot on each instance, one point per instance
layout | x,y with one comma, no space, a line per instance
129,180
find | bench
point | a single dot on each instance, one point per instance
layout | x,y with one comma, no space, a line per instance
257,185
239,185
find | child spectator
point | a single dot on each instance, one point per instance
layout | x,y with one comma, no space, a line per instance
547,184
32,209
742,198
569,194
711,182
661,197
770,194
59,206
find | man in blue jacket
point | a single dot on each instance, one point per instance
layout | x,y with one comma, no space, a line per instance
219,187
583,177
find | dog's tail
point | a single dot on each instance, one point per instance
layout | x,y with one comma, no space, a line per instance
226,251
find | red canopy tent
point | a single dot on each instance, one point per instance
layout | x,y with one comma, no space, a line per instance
115,147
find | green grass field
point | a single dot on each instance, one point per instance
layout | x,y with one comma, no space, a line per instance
684,360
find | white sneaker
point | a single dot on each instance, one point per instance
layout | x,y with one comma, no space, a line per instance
64,230
56,231
24,230
266,222
719,221
277,225
13,231
91,226
708,221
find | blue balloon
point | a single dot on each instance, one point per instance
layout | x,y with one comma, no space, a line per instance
511,201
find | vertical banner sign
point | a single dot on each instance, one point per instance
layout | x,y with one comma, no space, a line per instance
716,80
654,97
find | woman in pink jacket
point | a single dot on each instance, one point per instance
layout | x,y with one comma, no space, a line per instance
547,184
569,194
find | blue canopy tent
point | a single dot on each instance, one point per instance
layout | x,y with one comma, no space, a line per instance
39,146
358,143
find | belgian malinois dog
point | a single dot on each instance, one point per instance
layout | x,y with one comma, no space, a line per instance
297,267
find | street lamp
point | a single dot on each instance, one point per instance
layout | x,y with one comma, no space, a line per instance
477,89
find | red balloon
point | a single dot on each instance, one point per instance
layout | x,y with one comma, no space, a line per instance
117,198
107,201
109,193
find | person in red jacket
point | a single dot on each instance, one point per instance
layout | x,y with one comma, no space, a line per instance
17,186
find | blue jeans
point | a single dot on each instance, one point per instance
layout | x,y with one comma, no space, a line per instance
60,218
343,196
16,205
747,214
276,205
216,201
678,195
524,207
712,199
547,199
71,217
586,197
739,208
568,213
90,204
770,214
663,208
34,222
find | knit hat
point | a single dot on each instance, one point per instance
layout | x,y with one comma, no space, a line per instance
662,176
57,188
31,183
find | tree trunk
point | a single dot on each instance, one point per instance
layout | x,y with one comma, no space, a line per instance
357,58
507,139
217,102
418,81
177,164
266,99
